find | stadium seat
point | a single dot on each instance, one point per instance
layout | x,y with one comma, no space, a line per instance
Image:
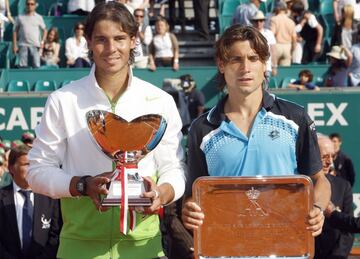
5,54
314,6
328,22
286,81
47,67
65,82
319,81
229,7
45,86
273,83
326,7
18,86
225,22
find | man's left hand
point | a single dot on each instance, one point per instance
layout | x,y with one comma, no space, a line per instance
316,221
154,194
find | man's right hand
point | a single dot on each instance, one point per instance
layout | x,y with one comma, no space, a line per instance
95,187
192,216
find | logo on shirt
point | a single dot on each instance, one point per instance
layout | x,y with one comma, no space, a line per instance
274,134
312,126
45,222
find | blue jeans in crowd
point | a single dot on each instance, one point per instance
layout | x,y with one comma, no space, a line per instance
27,54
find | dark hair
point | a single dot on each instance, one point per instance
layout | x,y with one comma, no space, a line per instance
115,12
240,33
17,152
298,7
77,26
306,73
335,135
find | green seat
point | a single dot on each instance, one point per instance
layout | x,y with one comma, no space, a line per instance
65,82
328,22
263,6
47,67
18,86
273,82
229,7
45,86
326,7
286,81
319,81
5,54
225,22
314,6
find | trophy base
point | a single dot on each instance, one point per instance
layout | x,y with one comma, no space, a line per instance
135,188
137,202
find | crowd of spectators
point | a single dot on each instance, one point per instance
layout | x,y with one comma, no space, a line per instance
300,37
294,32
35,46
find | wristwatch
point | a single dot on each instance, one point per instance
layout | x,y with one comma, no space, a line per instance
81,185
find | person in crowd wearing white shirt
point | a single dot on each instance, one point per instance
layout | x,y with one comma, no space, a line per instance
30,223
258,21
124,2
143,40
5,16
164,48
76,49
65,162
245,11
80,7
339,5
354,71
343,32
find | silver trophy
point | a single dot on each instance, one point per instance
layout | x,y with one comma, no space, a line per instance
126,143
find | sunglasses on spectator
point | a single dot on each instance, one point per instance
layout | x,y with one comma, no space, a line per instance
79,28
258,21
30,3
139,15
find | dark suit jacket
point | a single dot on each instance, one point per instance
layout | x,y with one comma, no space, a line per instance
45,237
345,222
334,243
344,167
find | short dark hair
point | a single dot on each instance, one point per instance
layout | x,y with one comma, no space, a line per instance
17,152
298,7
240,33
335,135
77,25
115,12
306,73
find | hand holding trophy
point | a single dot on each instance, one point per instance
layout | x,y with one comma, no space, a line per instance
126,143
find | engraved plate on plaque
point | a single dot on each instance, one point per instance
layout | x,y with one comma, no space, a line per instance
262,217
